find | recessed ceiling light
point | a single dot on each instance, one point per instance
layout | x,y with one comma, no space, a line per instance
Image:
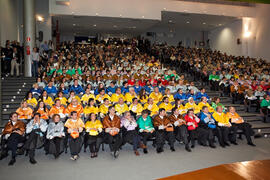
96,14
170,21
204,23
164,9
142,16
185,10
120,15
74,24
114,26
94,25
205,11
220,24
188,22
72,12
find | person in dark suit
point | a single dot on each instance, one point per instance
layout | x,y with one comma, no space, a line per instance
15,62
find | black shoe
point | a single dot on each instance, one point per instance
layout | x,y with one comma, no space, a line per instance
4,155
12,161
226,144
145,151
223,145
235,143
32,161
159,150
251,144
188,149
172,149
192,146
116,154
212,146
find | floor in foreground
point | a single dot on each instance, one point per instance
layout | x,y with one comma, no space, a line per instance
128,166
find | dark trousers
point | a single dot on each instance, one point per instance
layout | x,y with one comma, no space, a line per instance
113,141
214,85
198,133
75,145
133,138
145,136
35,69
32,143
224,134
94,143
55,146
12,143
181,134
246,128
162,135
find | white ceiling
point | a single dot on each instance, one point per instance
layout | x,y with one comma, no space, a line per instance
90,25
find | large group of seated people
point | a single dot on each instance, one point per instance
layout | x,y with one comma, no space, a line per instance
246,80
88,95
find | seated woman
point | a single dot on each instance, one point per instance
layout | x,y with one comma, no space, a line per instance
46,99
121,107
85,98
265,106
178,104
63,89
250,98
205,103
74,127
239,123
166,105
180,127
42,110
115,96
55,135
31,101
143,96
169,95
130,134
12,135
93,128
216,103
151,107
63,99
225,126
36,137
194,130
24,112
135,108
104,108
74,106
58,109
192,105
111,124
90,108
146,128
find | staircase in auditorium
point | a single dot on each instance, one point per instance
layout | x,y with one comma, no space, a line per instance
13,92
15,89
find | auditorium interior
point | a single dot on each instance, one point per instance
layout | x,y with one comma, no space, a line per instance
135,89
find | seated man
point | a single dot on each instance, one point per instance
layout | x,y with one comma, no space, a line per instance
181,133
115,96
164,131
156,95
180,95
111,124
135,108
74,127
13,135
131,135
152,107
121,107
166,105
201,94
72,95
24,112
50,89
225,126
112,88
58,109
55,136
74,106
76,88
205,103
100,98
36,137
265,106
239,123
85,98
130,95
146,128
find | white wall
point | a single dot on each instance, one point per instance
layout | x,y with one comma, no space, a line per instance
225,38
8,21
150,9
